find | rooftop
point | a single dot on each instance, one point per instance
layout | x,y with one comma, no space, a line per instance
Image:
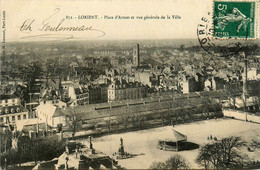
7,96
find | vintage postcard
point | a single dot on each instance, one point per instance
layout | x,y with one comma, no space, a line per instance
130,84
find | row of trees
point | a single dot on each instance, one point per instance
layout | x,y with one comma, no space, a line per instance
161,117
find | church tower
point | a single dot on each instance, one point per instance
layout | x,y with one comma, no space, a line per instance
136,56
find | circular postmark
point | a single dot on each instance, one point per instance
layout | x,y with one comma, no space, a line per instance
215,46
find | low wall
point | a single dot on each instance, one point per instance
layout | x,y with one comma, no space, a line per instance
241,115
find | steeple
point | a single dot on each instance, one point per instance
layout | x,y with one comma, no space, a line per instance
136,56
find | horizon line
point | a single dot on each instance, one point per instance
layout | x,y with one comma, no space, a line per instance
54,41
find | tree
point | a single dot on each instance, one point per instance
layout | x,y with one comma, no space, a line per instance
108,124
12,157
158,165
233,90
178,113
208,156
117,124
174,162
206,106
223,154
6,141
141,120
7,155
124,119
177,162
216,107
182,47
75,123
183,114
256,103
253,165
38,149
134,119
190,114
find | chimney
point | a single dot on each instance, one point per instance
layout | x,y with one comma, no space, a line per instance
120,80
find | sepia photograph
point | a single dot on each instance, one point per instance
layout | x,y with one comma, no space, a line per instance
123,84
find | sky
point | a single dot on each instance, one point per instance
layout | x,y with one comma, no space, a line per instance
45,14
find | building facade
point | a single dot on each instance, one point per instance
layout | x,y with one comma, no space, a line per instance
188,85
126,91
11,110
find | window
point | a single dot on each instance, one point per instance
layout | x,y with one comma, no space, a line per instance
24,116
7,119
13,118
19,117
1,119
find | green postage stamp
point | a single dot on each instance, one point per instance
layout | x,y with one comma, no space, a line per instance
234,19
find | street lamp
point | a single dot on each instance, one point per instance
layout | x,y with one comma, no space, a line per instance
245,84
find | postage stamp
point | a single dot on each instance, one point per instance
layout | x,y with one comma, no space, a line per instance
234,19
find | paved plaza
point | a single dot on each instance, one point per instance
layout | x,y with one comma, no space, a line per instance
145,141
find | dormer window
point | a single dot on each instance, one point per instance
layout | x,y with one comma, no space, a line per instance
12,110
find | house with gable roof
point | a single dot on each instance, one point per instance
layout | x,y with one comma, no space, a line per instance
52,115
